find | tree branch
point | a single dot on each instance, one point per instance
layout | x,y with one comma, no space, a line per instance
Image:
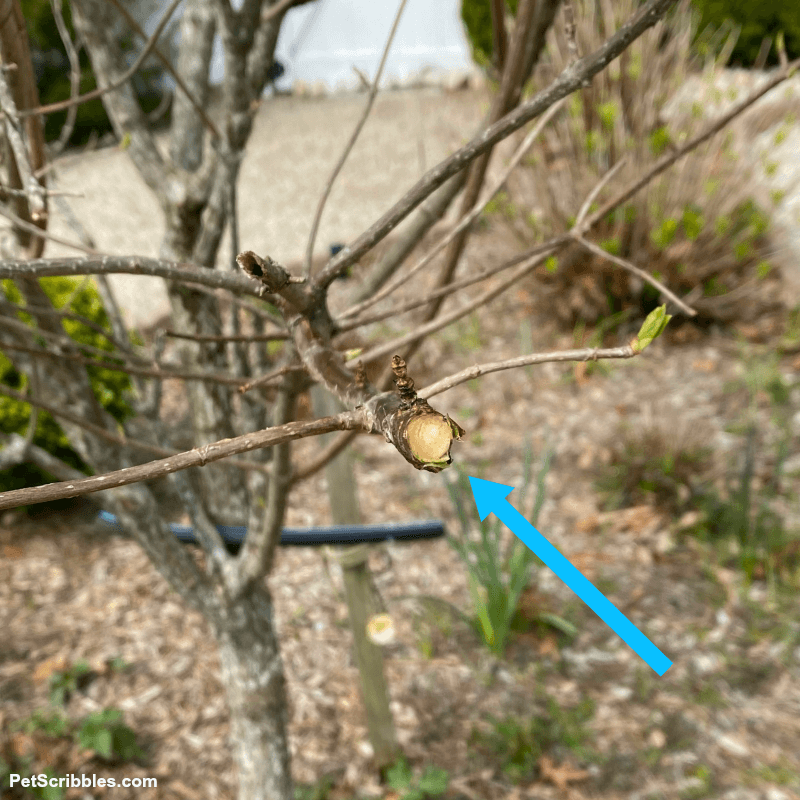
134,265
572,78
470,373
198,457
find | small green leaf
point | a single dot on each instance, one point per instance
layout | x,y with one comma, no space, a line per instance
125,142
651,328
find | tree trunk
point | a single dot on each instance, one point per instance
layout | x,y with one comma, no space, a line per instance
252,671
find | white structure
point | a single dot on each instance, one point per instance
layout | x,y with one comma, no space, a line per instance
321,42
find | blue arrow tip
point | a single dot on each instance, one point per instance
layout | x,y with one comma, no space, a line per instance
488,495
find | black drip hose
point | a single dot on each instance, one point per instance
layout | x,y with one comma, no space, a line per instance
234,535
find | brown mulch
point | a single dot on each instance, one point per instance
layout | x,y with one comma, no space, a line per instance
724,721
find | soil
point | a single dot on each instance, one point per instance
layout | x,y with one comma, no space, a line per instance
723,722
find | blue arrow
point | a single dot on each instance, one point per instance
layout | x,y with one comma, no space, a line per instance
490,498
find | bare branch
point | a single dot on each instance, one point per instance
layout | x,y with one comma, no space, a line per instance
270,13
198,457
470,373
421,331
592,196
545,249
126,367
255,558
53,312
74,76
569,30
352,141
572,78
244,337
133,265
17,450
165,62
278,373
632,268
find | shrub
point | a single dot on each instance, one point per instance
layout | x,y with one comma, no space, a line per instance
697,227
111,388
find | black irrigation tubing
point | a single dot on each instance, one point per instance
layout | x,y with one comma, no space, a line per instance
234,535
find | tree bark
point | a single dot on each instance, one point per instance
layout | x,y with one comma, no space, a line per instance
252,672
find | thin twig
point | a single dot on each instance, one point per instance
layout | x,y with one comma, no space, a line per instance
380,351
123,79
467,219
198,457
584,224
351,143
667,161
320,460
596,189
56,338
270,376
632,268
545,249
16,141
244,337
54,312
74,76
470,373
7,190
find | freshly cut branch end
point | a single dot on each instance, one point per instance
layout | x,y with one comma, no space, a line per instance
428,436
421,434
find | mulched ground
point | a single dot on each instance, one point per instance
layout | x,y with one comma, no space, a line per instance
723,722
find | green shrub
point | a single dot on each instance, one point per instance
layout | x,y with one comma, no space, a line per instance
111,388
